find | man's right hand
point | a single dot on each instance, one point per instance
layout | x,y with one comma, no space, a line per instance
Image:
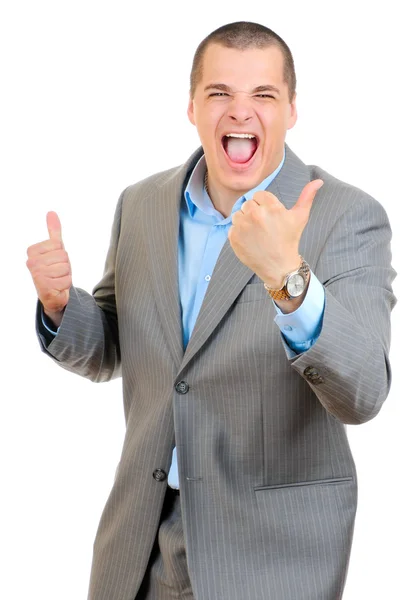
50,269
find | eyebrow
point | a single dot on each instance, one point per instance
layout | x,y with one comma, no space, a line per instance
225,88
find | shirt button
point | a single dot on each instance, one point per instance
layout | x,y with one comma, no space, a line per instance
288,328
159,475
182,387
207,277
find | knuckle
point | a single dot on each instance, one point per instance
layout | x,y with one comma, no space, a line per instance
257,216
51,246
34,249
55,244
260,195
63,286
30,263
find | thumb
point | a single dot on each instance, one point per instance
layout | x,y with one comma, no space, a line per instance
54,227
307,196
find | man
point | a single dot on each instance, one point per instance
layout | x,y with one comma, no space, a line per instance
246,301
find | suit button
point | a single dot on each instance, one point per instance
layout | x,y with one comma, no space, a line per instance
182,387
310,371
313,375
159,475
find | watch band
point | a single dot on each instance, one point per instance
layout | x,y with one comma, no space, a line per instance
282,293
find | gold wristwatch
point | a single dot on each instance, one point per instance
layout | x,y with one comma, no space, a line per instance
294,283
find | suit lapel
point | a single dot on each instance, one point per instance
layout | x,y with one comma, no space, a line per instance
161,219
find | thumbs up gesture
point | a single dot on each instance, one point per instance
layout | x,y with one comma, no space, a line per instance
265,235
50,269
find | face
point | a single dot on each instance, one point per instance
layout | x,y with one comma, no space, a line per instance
242,112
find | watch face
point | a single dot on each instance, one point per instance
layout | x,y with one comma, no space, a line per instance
295,285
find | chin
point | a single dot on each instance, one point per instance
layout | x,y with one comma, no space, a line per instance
241,179
241,187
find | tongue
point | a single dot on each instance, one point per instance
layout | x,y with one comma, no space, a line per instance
240,150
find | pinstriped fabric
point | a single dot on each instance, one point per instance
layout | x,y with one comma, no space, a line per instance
167,577
268,485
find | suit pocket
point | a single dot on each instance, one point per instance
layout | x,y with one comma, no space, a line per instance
282,486
253,292
306,531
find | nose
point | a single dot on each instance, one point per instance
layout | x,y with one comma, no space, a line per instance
240,109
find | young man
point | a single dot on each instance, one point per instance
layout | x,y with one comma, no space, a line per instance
246,302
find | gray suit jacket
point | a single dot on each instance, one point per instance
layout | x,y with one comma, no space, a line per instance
268,485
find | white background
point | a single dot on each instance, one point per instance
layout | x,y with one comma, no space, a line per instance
94,98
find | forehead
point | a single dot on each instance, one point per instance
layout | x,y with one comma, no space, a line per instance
242,69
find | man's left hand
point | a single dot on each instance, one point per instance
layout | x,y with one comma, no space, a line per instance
265,235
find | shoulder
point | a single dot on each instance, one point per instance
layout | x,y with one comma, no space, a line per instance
151,185
338,197
170,180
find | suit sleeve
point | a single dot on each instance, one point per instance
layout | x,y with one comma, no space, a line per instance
348,367
87,342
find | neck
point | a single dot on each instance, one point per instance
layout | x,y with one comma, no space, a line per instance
223,201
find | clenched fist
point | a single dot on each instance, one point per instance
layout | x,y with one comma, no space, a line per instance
265,235
50,269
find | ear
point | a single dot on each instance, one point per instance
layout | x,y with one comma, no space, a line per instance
293,113
190,111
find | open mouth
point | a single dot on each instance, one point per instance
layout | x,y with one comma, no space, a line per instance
240,147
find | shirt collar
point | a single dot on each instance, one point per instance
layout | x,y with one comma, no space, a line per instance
198,199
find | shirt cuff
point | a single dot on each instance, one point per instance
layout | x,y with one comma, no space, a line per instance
44,319
302,327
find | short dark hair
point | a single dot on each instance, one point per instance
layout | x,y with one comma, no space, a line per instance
241,36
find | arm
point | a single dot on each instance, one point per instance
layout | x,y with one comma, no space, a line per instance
87,341
348,366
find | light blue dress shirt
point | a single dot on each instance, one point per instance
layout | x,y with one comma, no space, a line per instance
203,232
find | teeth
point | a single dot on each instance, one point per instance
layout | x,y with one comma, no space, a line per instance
241,135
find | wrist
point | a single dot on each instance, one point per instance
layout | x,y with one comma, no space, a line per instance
289,306
293,286
276,279
55,317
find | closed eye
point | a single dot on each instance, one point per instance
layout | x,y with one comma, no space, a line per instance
222,94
